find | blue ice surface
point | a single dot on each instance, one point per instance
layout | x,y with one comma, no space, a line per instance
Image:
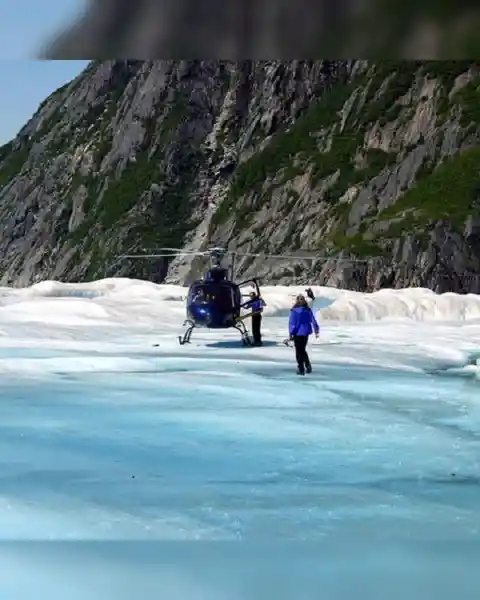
207,477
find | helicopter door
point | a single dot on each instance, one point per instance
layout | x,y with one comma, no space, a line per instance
236,297
225,300
250,282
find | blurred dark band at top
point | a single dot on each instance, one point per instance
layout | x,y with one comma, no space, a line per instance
271,29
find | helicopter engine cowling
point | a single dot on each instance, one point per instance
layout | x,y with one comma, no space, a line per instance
216,274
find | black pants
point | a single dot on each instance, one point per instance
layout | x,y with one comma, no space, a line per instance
303,362
256,328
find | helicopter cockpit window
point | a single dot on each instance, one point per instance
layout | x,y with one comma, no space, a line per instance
200,296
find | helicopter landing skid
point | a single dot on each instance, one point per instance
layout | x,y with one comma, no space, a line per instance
240,326
185,338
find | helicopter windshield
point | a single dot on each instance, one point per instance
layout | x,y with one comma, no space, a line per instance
221,297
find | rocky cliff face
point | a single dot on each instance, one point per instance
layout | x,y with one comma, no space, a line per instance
372,171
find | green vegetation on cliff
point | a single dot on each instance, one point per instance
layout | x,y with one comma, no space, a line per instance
451,193
329,140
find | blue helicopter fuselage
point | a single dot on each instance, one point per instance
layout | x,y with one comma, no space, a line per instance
213,304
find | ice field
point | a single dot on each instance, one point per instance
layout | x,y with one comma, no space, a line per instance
110,432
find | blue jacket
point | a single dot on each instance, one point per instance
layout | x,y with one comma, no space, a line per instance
255,305
302,321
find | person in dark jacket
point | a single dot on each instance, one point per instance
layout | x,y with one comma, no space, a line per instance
302,324
256,304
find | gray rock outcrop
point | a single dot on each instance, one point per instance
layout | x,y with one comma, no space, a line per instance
368,173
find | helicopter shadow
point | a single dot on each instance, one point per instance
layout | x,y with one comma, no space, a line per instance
235,344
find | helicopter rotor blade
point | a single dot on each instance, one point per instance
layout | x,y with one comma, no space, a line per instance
312,256
219,253
164,254
175,252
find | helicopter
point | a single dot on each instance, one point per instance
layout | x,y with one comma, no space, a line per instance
216,300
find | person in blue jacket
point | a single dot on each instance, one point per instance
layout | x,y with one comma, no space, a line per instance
256,304
302,324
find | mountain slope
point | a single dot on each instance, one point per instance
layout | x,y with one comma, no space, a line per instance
374,162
